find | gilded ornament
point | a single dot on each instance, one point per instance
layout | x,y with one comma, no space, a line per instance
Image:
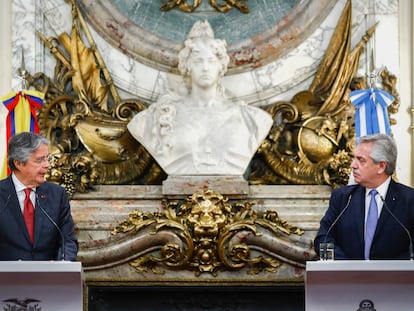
211,235
222,6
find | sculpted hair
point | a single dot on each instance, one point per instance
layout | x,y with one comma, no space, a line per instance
384,149
201,36
21,146
217,46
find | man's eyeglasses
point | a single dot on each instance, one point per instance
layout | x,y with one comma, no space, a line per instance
42,160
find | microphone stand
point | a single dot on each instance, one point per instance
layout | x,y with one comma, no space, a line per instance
402,226
56,226
324,247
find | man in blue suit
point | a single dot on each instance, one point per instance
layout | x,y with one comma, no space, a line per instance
345,222
51,234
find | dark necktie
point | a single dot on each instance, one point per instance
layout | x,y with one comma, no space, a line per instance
29,214
371,224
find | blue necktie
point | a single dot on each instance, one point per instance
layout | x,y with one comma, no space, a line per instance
371,224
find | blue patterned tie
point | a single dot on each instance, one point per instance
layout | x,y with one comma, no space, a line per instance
372,220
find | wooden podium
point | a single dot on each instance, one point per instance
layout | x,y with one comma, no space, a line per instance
41,285
359,285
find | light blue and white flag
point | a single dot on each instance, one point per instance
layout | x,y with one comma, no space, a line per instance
371,115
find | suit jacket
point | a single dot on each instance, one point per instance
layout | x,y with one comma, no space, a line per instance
391,240
15,243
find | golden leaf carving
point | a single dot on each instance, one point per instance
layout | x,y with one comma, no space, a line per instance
213,235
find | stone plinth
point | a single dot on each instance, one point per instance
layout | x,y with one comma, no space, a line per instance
180,186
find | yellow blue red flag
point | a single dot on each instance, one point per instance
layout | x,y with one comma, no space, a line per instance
21,117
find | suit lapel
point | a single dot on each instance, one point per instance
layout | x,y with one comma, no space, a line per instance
14,207
390,203
40,216
359,207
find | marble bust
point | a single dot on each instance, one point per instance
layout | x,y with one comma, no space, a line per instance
199,131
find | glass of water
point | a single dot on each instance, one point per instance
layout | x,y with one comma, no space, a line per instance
326,251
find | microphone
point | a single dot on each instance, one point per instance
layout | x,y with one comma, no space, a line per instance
337,218
324,245
53,222
402,226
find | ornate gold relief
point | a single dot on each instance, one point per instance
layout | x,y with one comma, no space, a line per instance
311,141
222,6
210,235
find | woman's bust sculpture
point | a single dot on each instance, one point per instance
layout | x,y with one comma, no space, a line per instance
200,132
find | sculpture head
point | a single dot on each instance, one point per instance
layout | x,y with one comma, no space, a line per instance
201,38
207,212
207,218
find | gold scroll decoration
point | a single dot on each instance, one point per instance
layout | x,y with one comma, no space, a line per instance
204,233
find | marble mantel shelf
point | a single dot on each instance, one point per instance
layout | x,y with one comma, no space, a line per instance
98,212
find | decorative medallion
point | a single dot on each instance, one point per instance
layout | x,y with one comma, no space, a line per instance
153,37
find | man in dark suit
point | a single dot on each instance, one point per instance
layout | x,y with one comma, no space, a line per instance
50,235
345,222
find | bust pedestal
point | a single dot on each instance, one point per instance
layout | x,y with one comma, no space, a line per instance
234,186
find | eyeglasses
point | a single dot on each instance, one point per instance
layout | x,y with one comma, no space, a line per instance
41,160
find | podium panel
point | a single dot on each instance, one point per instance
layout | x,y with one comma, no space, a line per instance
41,285
359,285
